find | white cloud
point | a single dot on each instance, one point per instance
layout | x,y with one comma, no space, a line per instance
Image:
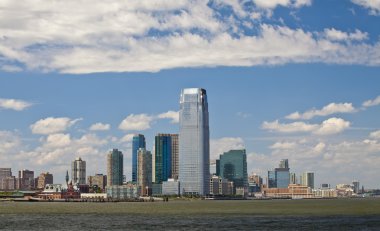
289,128
332,126
79,37
14,104
225,144
137,122
328,127
337,35
173,115
10,68
375,135
371,103
329,109
58,140
52,125
100,127
9,142
372,5
127,138
283,145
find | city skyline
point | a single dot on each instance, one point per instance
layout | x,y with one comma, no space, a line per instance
281,82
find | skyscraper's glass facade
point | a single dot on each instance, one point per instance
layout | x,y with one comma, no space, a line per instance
114,168
78,171
163,157
138,141
233,166
194,141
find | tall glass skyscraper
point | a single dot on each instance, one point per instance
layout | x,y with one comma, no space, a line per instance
138,142
194,142
114,168
163,157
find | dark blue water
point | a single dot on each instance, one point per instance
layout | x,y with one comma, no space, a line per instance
159,222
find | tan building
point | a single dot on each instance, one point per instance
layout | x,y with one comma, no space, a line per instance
294,191
99,179
175,152
144,171
44,179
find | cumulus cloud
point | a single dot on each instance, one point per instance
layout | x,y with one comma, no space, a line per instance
329,109
14,104
173,115
372,5
52,125
225,144
337,35
375,135
288,128
136,122
8,142
127,138
58,140
328,127
79,37
283,145
373,102
100,127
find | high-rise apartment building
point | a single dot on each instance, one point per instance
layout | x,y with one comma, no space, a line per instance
25,180
114,168
307,179
144,171
44,179
78,171
232,165
138,141
175,153
194,142
166,157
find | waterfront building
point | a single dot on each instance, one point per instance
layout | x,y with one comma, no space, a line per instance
114,168
356,187
255,183
325,193
138,141
144,171
294,191
25,180
123,192
6,179
78,171
8,183
98,180
279,177
175,156
44,179
307,179
51,191
163,158
232,165
220,186
271,180
171,187
156,189
194,142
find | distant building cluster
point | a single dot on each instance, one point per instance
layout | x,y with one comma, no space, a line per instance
178,166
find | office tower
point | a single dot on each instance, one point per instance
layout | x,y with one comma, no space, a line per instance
175,152
99,180
5,173
284,163
138,141
307,179
271,181
356,185
293,178
78,171
233,167
25,180
144,171
114,168
163,157
194,142
44,179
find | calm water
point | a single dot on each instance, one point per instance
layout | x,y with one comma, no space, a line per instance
193,222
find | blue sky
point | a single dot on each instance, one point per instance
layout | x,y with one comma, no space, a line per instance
296,79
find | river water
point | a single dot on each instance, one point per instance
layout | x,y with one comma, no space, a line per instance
189,222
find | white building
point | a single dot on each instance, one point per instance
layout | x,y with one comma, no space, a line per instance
170,187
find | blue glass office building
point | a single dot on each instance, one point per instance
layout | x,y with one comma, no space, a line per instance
194,142
232,165
163,157
138,141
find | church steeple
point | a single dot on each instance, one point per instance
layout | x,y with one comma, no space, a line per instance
67,177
